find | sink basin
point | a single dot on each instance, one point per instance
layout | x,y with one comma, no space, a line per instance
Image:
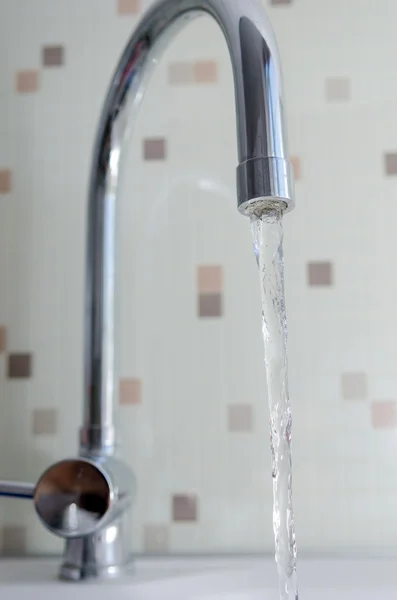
206,579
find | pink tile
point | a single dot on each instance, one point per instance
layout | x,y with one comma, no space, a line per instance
240,418
184,508
320,274
156,539
384,414
337,89
130,391
180,73
391,163
154,149
296,163
5,181
206,71
3,339
19,365
27,82
354,386
128,7
210,279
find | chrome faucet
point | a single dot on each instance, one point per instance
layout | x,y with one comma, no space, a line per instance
86,500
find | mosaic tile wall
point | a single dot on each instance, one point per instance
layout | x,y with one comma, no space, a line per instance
193,414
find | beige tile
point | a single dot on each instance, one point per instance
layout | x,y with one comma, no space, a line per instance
180,73
296,163
320,274
14,540
130,391
27,82
44,421
206,71
354,386
155,149
240,418
184,508
337,89
384,414
391,163
210,279
128,7
19,365
156,539
53,56
210,305
3,339
5,181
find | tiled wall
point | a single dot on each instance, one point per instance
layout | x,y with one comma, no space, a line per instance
193,410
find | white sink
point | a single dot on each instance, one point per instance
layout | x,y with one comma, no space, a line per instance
205,579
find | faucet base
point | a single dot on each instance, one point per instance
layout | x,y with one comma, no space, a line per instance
103,555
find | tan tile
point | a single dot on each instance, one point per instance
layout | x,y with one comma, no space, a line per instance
128,7
184,508
180,73
210,305
240,418
320,274
3,339
391,163
384,414
337,89
5,181
19,365
354,386
14,540
130,391
53,56
44,421
27,82
156,539
206,71
296,163
210,279
155,149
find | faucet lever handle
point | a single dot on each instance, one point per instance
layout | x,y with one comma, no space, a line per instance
17,489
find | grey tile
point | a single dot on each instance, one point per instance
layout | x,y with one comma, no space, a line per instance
14,540
210,305
320,273
184,508
240,418
280,1
391,163
44,421
155,149
180,73
53,56
337,89
354,386
156,538
19,365
3,339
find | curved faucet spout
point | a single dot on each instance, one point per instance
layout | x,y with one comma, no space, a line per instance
263,175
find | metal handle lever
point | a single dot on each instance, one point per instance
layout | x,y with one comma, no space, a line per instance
16,489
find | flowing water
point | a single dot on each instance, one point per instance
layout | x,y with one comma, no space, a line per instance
268,244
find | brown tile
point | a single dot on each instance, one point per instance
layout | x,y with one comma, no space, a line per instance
14,540
155,149
384,414
53,56
180,73
156,538
5,181
184,508
44,421
354,386
128,7
3,339
210,279
391,163
19,365
337,89
240,418
130,391
205,71
210,305
320,273
296,163
27,82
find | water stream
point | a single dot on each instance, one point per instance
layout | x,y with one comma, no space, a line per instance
268,244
